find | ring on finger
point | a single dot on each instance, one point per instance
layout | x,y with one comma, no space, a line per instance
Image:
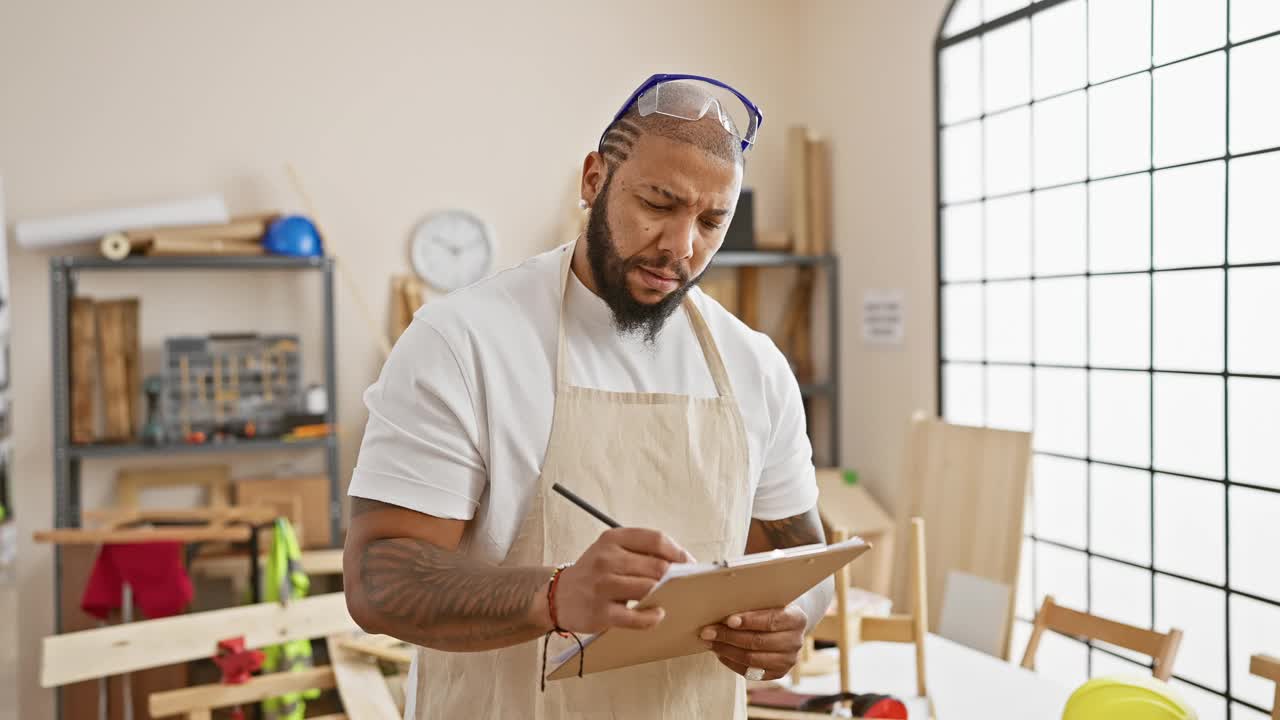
754,673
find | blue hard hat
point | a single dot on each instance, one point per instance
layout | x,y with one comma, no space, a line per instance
293,235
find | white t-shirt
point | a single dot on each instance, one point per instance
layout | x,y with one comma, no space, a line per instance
460,417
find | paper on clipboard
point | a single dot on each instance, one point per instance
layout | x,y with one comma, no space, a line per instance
698,594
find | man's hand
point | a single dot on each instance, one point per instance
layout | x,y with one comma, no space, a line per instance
622,565
765,639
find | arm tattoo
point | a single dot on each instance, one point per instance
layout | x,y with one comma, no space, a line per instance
451,602
802,529
441,598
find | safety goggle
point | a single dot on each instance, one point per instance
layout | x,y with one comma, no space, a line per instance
736,114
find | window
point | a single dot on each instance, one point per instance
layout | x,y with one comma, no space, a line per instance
1108,270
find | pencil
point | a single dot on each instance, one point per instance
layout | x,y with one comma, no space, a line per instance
585,505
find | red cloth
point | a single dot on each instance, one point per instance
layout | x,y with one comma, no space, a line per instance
154,571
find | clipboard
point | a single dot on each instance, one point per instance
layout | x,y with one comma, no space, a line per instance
695,595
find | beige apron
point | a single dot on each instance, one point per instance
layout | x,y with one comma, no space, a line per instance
654,460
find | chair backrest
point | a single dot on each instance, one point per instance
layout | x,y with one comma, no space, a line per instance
913,628
1161,647
976,612
1268,667
970,485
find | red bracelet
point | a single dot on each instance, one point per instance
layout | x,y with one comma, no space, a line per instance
551,599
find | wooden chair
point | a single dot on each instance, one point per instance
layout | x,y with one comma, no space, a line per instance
846,629
970,485
1268,667
1161,647
913,628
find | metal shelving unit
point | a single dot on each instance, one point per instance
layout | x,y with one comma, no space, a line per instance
64,273
830,388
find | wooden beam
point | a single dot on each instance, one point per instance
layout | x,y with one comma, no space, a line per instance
364,692
203,533
218,695
895,628
1265,666
125,648
366,646
254,514
314,562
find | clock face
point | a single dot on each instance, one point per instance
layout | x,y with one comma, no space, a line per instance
452,249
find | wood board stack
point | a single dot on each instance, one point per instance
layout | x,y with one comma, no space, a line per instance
105,359
241,236
407,295
809,191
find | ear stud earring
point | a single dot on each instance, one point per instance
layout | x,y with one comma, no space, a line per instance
582,204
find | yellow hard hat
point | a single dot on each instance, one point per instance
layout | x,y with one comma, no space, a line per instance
1126,698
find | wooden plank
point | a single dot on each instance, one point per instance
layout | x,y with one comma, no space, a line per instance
798,187
218,695
202,533
314,491
167,244
246,229
749,296
256,515
314,562
364,692
844,640
112,372
1265,666
288,507
131,340
84,362
364,646
895,628
920,598
819,186
150,643
802,338
400,317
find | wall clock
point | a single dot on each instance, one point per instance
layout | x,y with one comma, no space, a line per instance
452,249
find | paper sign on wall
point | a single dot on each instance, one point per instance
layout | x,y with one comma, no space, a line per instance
883,317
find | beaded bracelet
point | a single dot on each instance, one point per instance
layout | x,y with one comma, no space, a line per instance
555,623
551,599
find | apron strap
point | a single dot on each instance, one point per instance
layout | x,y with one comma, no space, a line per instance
566,261
710,352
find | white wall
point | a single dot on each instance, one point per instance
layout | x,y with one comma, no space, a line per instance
869,66
392,109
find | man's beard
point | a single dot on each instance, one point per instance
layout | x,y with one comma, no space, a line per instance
610,269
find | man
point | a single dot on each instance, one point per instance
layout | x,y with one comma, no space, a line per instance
599,366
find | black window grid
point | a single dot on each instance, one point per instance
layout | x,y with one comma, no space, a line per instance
1150,469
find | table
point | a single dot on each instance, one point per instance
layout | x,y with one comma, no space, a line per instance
964,684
